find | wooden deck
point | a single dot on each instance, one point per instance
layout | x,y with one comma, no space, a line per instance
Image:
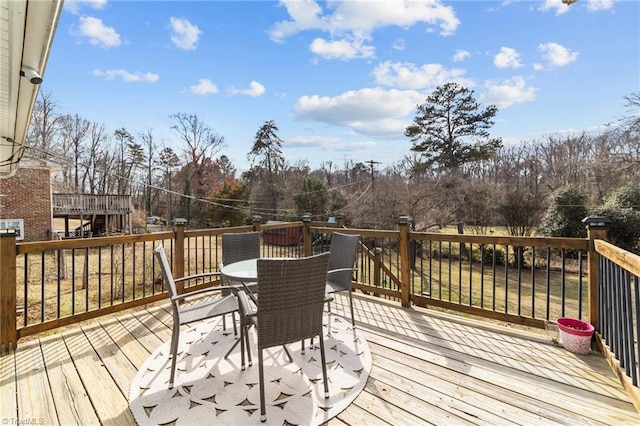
428,368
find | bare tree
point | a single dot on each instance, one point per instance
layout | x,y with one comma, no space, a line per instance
46,125
632,121
124,139
75,131
327,170
95,152
202,144
151,163
169,163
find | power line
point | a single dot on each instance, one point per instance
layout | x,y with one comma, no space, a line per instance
210,201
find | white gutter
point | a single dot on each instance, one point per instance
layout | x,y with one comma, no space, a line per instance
27,28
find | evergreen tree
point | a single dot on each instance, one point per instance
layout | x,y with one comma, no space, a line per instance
450,130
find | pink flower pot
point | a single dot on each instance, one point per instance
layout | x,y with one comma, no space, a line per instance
575,335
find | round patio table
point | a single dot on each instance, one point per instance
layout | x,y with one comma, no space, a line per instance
243,271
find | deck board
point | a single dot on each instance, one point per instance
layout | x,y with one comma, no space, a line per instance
485,396
72,403
8,401
449,394
35,400
121,370
428,368
110,404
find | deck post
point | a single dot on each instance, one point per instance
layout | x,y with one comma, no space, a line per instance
307,239
8,324
256,221
377,268
178,236
404,223
596,230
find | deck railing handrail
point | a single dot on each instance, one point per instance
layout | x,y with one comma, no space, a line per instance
618,321
385,276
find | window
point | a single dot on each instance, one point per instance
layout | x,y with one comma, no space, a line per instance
16,225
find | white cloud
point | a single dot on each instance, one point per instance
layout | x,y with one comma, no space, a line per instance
255,89
556,5
204,87
310,141
126,76
305,15
356,20
399,44
507,58
460,55
598,5
557,55
326,143
408,76
185,34
74,6
97,32
341,49
509,92
376,111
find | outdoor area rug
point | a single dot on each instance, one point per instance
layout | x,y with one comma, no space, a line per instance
211,390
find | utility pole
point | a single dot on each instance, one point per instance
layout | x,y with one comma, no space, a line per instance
371,165
373,193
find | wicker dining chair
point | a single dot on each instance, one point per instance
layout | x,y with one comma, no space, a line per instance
235,248
289,308
186,313
240,246
344,250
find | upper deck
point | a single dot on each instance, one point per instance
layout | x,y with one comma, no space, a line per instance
88,204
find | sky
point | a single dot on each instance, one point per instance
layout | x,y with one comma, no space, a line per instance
342,79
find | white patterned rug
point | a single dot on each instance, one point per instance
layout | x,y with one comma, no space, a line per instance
211,390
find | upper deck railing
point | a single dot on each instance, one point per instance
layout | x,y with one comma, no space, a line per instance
520,280
77,204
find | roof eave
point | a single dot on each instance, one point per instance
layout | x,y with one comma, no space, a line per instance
31,28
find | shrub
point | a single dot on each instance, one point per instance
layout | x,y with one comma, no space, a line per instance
627,197
486,255
564,216
624,228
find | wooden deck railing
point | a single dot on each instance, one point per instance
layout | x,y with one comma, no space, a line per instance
618,320
521,280
66,204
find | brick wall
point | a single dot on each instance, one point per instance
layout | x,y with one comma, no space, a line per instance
27,196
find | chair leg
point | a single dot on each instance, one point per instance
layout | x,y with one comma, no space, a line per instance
324,367
224,324
243,340
246,336
243,331
329,318
233,347
263,409
286,351
353,321
235,328
175,337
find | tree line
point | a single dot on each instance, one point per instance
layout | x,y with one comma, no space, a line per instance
454,172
